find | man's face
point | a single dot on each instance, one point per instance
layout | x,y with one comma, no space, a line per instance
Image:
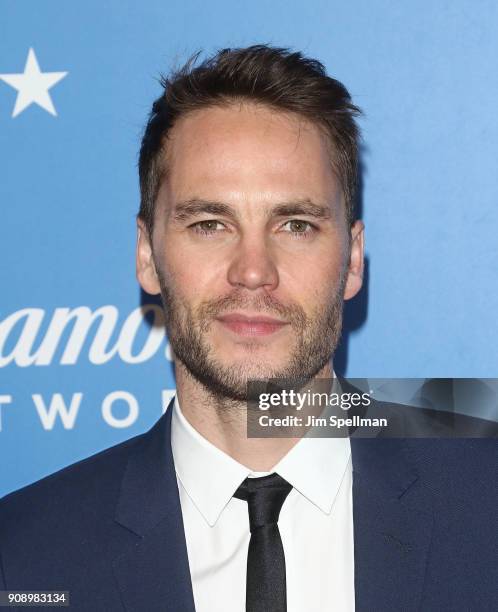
250,250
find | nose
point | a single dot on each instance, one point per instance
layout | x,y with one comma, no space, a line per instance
253,265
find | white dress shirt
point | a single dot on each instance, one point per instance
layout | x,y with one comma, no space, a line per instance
316,522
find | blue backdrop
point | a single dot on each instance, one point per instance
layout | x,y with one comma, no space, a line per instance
76,83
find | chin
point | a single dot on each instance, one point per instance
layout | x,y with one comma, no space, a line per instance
271,349
250,370
253,353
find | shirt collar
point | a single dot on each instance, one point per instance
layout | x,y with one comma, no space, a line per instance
314,466
209,476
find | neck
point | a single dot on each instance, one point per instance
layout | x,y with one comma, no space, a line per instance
223,422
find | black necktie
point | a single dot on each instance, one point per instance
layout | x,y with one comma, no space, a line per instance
265,587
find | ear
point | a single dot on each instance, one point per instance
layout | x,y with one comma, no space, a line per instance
146,269
354,278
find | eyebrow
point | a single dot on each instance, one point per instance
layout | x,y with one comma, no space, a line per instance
302,207
195,207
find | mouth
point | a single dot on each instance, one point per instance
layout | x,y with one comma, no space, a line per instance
251,325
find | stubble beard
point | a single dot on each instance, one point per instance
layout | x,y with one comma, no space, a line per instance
317,336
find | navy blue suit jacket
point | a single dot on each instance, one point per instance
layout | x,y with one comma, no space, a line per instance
109,529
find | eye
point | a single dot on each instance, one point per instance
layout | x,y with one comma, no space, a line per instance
208,226
299,228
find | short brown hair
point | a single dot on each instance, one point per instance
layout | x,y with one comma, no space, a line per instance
280,78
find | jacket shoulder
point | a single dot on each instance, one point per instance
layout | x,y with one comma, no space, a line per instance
72,489
461,471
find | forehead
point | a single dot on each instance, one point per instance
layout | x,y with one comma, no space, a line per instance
246,149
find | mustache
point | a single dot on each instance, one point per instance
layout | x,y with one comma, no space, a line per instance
263,304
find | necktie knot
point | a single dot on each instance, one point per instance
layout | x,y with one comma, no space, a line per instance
265,496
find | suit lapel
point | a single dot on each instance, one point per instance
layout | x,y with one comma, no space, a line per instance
392,526
153,572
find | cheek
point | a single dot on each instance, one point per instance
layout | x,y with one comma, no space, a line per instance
314,274
192,280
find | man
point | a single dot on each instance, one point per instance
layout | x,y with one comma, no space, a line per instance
247,230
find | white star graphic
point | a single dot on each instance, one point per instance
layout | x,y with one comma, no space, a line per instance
32,86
